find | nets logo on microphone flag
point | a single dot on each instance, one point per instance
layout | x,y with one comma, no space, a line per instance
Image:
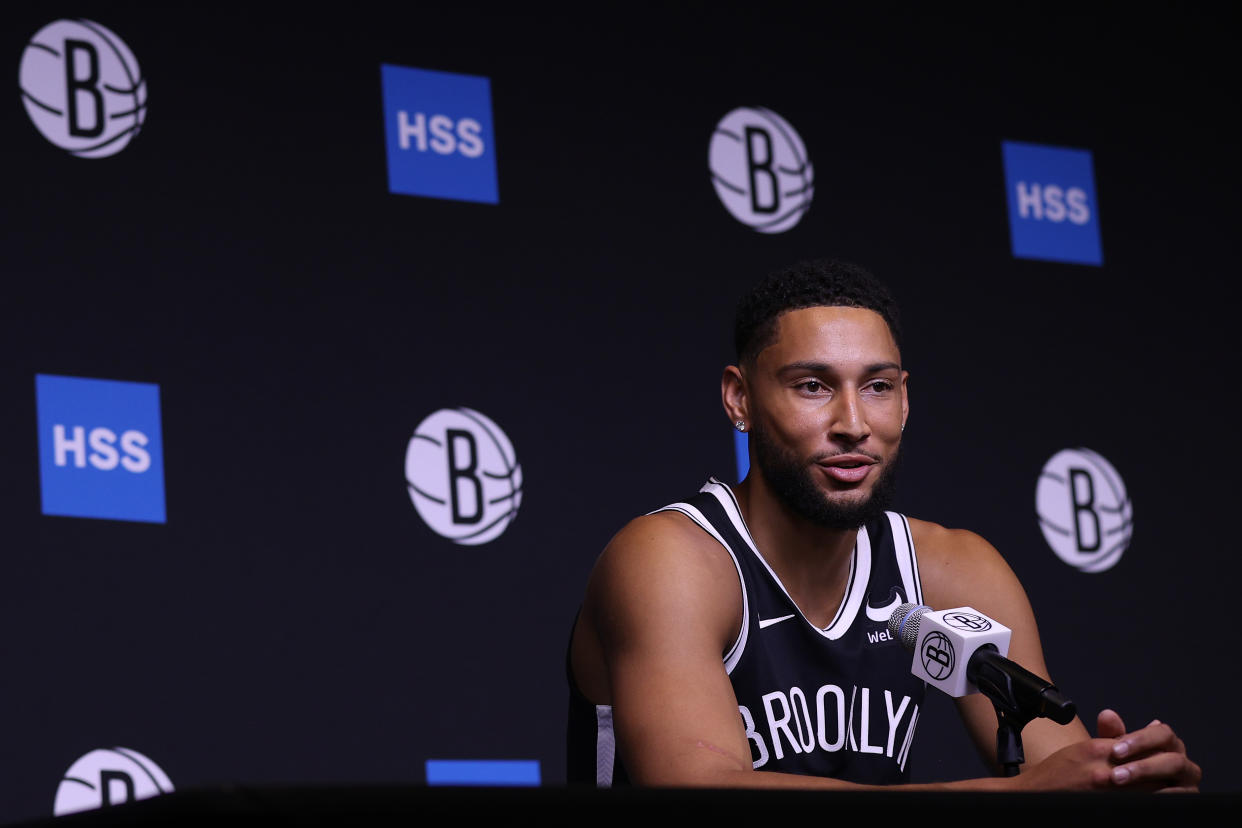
101,452
438,132
945,641
1051,197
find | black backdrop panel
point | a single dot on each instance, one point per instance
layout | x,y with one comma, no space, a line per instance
295,620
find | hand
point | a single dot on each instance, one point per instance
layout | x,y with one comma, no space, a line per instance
1153,758
1150,759
1086,765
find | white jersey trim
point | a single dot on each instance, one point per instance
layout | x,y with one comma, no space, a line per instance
859,575
907,561
605,746
734,654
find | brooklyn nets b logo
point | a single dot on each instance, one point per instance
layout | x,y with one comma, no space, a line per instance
108,777
463,476
82,88
1084,511
967,621
760,169
937,655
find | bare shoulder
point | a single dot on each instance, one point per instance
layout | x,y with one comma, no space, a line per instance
662,587
667,537
660,556
947,546
959,567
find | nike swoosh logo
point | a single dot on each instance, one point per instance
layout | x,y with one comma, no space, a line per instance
767,622
883,613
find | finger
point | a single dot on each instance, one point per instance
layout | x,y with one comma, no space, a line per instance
1154,738
1161,770
1108,725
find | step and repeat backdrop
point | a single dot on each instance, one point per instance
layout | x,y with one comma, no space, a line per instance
337,344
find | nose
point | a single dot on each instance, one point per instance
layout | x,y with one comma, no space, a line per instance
847,423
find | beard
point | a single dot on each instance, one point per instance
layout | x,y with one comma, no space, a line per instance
790,480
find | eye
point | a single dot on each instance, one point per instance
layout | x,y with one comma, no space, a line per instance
811,387
881,386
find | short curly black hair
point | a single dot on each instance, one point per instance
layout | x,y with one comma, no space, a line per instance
807,284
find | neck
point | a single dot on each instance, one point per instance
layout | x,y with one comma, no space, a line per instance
812,561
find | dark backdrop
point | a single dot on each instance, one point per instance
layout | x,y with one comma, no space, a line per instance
295,621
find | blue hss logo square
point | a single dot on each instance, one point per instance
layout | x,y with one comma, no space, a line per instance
1052,208
101,453
438,131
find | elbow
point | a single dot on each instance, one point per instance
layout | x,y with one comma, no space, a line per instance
703,765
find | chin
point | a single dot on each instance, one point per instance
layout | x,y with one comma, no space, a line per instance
797,487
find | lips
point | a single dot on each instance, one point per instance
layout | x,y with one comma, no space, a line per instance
847,468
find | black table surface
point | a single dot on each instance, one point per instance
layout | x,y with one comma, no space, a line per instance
421,805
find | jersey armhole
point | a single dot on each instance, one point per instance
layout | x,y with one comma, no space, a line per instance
734,653
907,559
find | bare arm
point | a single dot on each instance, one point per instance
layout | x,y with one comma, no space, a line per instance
664,603
959,568
662,606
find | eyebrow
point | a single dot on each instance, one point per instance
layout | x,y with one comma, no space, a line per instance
826,368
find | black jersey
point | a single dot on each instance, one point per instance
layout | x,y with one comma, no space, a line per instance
838,701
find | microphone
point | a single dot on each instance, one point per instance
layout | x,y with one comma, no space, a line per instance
962,651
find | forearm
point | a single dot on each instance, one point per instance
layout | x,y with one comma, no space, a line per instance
727,778
707,765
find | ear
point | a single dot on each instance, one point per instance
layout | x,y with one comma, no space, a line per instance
734,395
905,398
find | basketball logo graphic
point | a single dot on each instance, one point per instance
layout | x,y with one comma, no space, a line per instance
968,621
108,777
1083,510
82,88
938,656
760,169
463,476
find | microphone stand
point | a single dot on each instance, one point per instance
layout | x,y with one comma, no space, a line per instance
1009,740
1018,696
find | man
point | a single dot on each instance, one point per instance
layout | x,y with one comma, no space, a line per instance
723,641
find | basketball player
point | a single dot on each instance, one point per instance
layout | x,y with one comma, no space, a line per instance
738,638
